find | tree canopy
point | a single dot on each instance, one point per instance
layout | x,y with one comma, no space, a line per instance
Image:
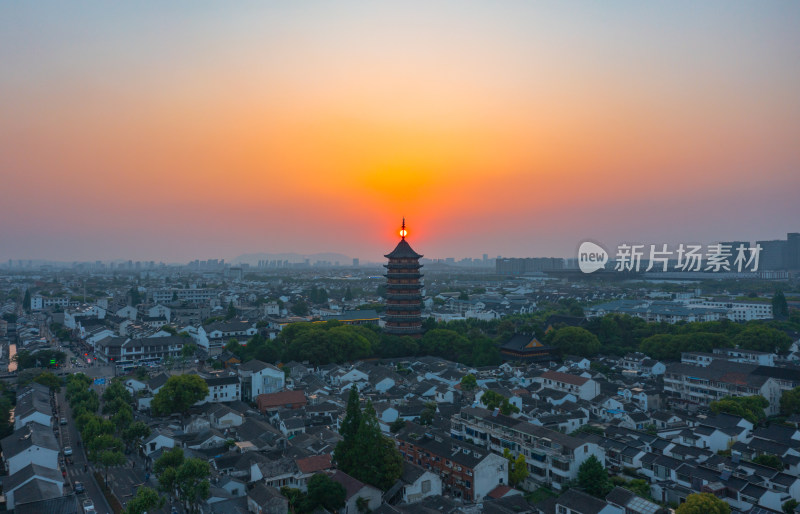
364,452
517,468
703,503
790,402
750,408
178,394
187,479
494,400
593,477
325,492
574,341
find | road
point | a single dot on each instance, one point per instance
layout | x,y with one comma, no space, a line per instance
68,436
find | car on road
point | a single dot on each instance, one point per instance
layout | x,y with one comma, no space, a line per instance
68,450
88,506
63,421
79,487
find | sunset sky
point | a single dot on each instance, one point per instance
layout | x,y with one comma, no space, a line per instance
181,130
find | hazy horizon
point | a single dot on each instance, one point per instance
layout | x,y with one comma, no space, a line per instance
196,130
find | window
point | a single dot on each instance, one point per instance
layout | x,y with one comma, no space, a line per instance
426,486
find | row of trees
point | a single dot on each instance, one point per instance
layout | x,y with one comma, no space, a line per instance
107,436
46,358
332,341
616,334
477,343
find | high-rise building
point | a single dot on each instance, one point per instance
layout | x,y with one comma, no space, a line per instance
793,250
773,255
403,314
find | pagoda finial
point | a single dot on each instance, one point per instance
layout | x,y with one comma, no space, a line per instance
403,230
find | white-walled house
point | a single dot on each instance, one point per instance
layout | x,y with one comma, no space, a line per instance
355,489
160,311
585,388
419,483
222,388
31,474
33,406
31,444
259,377
159,438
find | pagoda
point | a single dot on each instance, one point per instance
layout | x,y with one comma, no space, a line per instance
403,314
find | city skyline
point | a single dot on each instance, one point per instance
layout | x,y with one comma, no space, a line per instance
199,130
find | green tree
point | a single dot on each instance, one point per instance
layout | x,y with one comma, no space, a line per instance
116,397
300,308
146,499
789,506
469,382
178,394
517,468
762,338
50,380
750,408
771,461
790,402
780,309
186,479
171,458
298,502
187,352
397,425
575,341
325,492
230,313
428,414
135,434
365,453
639,487
494,400
192,482
593,477
703,503
106,450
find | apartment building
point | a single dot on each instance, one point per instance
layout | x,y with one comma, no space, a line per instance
184,295
553,458
719,378
123,350
468,471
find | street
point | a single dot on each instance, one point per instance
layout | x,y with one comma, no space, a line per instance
68,436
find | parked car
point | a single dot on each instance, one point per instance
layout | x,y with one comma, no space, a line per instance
88,505
68,450
79,487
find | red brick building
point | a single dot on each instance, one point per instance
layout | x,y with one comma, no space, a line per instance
281,400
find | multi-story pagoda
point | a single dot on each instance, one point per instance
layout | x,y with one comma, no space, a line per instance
403,314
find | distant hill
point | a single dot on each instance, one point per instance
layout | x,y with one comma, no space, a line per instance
253,258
